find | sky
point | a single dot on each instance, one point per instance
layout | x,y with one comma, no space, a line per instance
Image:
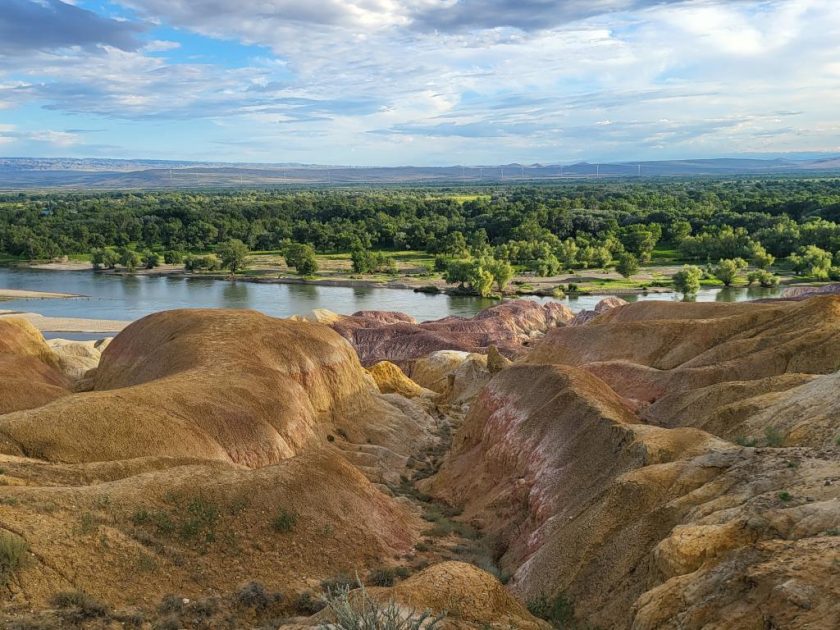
419,82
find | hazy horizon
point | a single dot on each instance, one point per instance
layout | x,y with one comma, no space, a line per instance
421,83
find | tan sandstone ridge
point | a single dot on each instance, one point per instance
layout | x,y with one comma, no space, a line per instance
232,386
29,370
668,526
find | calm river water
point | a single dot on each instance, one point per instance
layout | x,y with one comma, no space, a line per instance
131,297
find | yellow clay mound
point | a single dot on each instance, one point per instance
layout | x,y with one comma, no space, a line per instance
469,596
390,379
234,386
28,368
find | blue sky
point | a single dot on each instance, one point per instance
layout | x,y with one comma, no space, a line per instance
423,82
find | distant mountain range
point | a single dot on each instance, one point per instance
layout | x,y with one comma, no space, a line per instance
72,173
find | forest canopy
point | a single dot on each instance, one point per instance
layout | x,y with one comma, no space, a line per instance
540,227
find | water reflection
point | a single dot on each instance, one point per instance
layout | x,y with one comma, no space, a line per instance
131,297
236,294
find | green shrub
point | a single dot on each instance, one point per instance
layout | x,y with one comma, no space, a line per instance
362,612
785,496
201,519
338,582
255,596
284,521
78,607
774,437
171,604
559,611
88,523
13,550
173,257
381,577
306,604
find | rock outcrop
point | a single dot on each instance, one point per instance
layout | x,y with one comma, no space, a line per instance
29,374
510,326
668,526
390,379
807,292
462,594
456,376
77,358
608,303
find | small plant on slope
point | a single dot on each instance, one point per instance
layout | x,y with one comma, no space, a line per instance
361,612
13,550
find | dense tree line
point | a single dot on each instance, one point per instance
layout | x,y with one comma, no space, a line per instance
543,228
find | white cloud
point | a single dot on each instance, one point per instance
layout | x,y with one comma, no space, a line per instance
359,81
9,134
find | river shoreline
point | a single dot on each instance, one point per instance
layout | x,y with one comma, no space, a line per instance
68,324
21,294
543,288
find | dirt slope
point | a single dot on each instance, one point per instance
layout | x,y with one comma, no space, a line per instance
665,526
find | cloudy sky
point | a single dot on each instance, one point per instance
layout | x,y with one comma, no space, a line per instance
389,82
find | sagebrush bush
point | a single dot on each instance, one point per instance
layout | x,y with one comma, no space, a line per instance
382,577
13,550
774,437
284,521
361,612
559,610
77,606
254,595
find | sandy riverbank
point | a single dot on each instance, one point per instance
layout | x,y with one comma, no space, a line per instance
17,294
69,324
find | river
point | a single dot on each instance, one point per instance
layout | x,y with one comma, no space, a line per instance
131,297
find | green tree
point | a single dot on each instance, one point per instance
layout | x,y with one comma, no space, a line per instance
727,270
761,258
105,257
641,239
763,277
361,261
687,280
812,261
502,272
679,231
470,272
150,259
628,265
602,257
301,256
454,244
568,253
233,255
458,271
129,258
480,280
